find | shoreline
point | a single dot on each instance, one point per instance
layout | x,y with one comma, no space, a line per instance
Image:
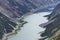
15,31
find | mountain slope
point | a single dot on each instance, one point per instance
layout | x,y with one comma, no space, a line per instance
17,8
53,25
12,9
6,25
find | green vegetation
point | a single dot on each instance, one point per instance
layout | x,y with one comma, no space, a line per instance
56,36
21,22
15,31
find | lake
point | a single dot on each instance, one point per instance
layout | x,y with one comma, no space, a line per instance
30,30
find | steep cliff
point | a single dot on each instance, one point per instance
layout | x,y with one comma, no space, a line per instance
52,31
12,9
17,8
6,25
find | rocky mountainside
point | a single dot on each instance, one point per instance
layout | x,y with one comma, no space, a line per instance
16,8
52,26
6,25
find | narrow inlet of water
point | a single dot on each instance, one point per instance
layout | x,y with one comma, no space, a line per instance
30,31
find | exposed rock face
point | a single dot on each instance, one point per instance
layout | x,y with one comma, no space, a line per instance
17,8
6,25
53,25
